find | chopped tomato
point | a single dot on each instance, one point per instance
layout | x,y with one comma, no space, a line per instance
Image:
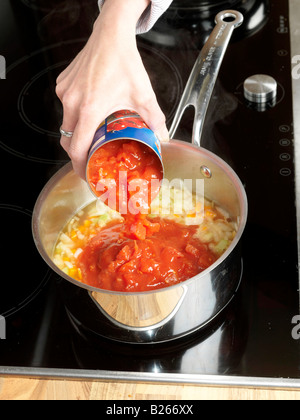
143,256
121,173
206,260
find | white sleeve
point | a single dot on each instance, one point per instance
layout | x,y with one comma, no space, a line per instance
150,15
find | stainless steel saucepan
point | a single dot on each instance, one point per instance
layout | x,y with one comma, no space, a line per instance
174,312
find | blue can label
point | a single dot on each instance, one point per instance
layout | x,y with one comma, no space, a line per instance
125,125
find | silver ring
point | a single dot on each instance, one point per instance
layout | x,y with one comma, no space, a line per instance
64,133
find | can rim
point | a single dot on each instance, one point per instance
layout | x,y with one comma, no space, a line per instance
118,139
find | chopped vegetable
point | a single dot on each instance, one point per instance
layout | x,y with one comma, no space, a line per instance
175,242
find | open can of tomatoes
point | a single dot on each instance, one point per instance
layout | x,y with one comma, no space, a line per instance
124,167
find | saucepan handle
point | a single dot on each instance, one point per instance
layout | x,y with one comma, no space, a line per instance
203,77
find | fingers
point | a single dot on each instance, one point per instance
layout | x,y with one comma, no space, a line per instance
155,119
69,124
71,101
162,134
146,105
84,125
84,130
81,93
82,138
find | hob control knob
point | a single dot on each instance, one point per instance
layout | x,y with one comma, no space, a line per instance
260,89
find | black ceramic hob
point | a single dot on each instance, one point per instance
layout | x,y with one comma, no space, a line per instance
254,340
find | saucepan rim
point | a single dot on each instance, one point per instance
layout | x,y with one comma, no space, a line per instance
241,193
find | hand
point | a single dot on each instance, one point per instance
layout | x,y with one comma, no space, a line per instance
107,75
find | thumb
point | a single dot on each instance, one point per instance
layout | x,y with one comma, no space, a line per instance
156,121
162,133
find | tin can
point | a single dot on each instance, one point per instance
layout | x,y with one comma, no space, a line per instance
122,126
125,125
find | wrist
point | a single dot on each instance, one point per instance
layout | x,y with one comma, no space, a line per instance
123,13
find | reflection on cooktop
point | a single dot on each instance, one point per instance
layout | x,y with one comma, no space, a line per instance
218,349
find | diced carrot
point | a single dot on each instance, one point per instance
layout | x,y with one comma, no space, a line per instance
73,235
209,212
73,272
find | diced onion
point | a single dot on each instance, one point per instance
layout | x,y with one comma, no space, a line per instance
215,227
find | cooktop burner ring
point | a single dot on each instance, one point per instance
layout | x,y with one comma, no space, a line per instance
25,92
25,287
39,110
167,83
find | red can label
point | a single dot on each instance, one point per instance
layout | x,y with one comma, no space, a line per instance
125,125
